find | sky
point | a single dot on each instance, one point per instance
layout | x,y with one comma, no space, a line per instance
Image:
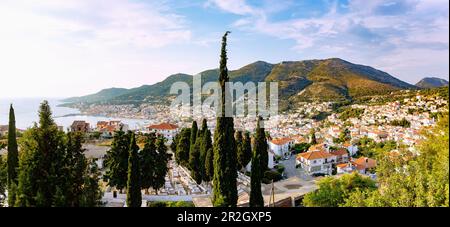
63,48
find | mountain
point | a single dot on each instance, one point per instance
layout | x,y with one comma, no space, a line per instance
322,80
431,82
102,95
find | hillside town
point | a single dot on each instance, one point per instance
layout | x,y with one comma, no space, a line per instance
326,153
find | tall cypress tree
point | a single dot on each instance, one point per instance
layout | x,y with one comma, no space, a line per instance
240,148
161,168
183,147
148,157
116,161
207,149
247,150
256,198
134,196
225,157
203,147
193,139
13,156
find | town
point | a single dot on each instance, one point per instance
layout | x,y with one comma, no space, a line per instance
301,148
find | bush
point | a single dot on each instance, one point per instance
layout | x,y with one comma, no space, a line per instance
271,175
280,168
170,204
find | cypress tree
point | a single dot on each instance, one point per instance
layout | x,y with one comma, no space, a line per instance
161,168
207,149
193,139
148,157
116,161
134,196
256,198
264,147
195,163
183,147
240,149
91,195
13,156
205,144
312,137
225,157
247,150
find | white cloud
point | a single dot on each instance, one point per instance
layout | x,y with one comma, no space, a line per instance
367,31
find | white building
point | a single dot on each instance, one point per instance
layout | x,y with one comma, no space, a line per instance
281,147
165,129
314,162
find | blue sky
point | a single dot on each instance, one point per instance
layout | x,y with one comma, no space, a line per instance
60,48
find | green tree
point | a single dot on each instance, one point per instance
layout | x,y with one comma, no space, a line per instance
13,156
91,194
134,195
41,162
247,150
161,168
239,148
207,148
147,157
183,147
193,140
256,198
409,180
225,157
205,144
312,137
75,170
3,179
195,163
116,161
333,192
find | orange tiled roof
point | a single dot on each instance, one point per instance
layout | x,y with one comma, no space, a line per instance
339,152
361,163
311,155
163,126
281,141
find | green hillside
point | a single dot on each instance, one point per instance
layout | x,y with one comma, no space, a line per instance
311,80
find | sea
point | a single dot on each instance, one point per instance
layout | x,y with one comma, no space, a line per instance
26,111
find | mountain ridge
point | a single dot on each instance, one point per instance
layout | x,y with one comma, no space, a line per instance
307,80
431,82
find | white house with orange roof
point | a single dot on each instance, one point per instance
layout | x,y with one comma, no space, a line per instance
165,129
281,146
362,165
316,162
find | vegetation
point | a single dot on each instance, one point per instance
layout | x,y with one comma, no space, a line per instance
3,179
147,158
183,147
301,147
371,149
245,150
170,204
134,195
225,157
12,157
351,113
116,161
334,192
403,123
52,168
160,169
419,180
260,147
404,178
